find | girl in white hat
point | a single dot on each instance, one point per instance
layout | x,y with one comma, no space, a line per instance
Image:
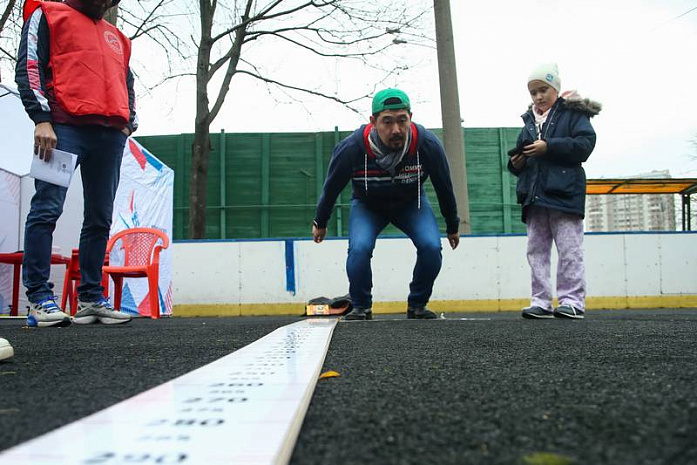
556,139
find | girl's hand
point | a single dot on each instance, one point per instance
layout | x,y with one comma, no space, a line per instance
536,149
518,161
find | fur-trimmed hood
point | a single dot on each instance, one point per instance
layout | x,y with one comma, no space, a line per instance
583,105
573,101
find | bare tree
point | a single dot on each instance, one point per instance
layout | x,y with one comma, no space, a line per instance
346,29
6,14
9,29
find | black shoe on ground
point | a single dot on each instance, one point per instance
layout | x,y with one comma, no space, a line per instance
536,313
421,313
567,311
358,314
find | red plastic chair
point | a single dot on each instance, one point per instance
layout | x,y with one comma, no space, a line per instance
142,260
72,281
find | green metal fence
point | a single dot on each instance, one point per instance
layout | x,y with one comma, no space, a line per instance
264,185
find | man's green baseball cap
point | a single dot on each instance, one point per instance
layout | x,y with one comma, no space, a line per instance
390,99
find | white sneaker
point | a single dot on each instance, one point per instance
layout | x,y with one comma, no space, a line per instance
100,311
46,313
6,350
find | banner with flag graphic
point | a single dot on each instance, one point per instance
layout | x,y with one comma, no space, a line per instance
9,233
144,199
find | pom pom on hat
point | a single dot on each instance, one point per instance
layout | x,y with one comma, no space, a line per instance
547,73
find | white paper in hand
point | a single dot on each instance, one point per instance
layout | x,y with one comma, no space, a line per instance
57,170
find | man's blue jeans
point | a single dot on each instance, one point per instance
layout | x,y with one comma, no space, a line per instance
99,151
366,222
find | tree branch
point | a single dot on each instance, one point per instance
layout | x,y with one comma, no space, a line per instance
334,98
235,52
263,15
11,56
320,53
146,20
6,14
170,78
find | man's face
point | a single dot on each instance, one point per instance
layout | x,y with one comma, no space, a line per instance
95,8
393,127
543,95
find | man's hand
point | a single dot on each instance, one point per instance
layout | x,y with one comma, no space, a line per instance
454,240
318,234
518,161
536,149
45,140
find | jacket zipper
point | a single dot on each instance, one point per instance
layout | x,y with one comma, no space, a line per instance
541,135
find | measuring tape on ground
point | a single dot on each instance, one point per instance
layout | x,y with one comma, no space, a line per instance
245,408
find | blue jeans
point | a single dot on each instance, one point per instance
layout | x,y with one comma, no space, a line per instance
99,151
366,222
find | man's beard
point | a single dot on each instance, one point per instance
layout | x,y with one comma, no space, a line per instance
396,144
95,11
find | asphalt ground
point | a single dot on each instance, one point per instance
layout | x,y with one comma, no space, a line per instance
619,387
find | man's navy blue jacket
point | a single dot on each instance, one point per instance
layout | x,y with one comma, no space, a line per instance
556,179
352,161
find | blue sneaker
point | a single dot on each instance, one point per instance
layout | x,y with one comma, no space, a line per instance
46,313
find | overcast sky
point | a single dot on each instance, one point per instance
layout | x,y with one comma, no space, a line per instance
635,57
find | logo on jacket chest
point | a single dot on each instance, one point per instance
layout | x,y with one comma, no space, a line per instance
113,42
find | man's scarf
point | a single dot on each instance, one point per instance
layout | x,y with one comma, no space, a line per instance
384,156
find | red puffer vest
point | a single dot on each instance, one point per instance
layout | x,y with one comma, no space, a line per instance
89,59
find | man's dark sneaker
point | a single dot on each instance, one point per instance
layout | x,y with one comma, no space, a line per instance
567,311
420,313
359,314
534,313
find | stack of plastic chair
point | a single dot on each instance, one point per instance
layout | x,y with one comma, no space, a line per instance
142,247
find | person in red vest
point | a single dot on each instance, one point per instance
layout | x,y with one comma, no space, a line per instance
75,82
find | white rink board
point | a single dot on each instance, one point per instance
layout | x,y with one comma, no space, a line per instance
245,408
481,268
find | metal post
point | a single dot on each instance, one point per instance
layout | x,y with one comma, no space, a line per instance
450,109
505,182
686,213
339,208
223,187
180,221
319,167
265,184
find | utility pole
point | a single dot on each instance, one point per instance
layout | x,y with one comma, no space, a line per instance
450,110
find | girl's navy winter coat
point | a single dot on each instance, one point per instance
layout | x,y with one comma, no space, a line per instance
556,179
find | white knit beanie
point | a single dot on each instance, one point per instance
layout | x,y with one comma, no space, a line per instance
547,73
